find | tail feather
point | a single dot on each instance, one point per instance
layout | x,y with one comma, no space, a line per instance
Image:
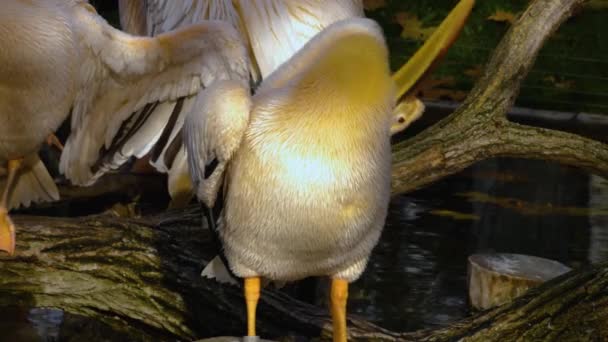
179,182
33,184
216,269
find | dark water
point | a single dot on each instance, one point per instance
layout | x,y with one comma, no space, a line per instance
417,275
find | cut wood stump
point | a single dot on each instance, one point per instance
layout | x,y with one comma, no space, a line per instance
495,279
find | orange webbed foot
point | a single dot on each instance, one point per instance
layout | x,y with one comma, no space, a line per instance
7,233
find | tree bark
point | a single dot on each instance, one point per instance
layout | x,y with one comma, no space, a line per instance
141,278
479,129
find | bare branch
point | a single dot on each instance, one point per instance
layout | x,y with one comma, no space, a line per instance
479,129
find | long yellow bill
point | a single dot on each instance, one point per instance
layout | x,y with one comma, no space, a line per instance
433,49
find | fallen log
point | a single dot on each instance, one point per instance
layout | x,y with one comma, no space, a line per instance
140,277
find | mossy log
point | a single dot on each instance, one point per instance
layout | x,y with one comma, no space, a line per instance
141,278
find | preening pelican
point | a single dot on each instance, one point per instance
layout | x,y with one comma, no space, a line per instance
308,165
274,30
59,57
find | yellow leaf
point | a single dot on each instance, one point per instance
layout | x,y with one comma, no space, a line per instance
503,16
474,72
455,215
559,83
372,5
439,89
412,27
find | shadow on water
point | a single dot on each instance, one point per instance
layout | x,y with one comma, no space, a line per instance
417,275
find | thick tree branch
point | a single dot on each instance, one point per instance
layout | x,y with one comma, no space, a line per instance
141,278
479,129
546,144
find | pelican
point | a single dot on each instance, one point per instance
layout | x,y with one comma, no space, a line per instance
59,57
307,170
273,30
303,166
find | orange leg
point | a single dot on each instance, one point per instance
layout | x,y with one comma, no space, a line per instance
252,295
52,140
7,229
339,296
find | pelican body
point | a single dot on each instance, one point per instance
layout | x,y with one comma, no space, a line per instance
307,187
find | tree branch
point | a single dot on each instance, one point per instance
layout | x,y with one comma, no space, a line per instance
142,279
479,129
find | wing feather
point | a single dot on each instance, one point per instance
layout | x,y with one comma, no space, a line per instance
162,126
121,74
279,28
213,132
132,15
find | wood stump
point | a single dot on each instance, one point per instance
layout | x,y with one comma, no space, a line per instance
495,279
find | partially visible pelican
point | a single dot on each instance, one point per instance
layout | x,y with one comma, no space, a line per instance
306,163
274,30
59,57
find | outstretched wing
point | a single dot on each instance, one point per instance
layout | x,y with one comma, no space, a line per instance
124,78
212,133
163,123
277,29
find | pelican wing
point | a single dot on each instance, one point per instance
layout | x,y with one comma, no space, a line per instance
166,15
123,76
133,18
279,28
212,133
163,125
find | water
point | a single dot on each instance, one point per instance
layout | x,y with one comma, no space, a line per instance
417,274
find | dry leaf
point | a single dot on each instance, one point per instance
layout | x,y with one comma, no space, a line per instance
372,5
412,27
455,215
431,89
559,83
503,16
474,72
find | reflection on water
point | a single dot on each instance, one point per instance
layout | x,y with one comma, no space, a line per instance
37,324
417,275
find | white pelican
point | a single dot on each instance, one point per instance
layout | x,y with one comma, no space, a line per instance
308,164
274,30
59,57
305,162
